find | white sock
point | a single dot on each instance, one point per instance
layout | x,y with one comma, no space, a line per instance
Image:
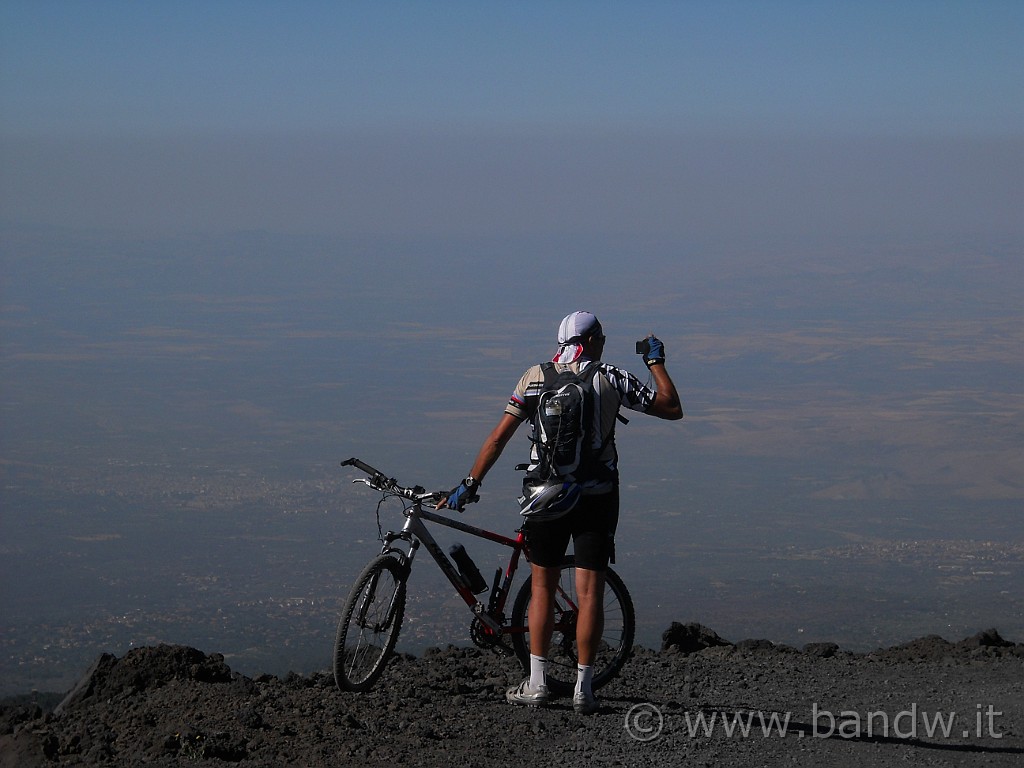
538,672
584,678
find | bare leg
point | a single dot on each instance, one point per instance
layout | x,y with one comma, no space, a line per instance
542,608
590,622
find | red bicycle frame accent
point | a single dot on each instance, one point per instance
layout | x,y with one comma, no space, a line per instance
415,532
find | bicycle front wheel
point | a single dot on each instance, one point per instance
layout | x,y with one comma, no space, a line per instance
613,647
369,624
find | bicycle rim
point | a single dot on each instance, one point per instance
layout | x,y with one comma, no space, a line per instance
615,644
369,626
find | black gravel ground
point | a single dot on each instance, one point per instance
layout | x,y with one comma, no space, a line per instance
699,701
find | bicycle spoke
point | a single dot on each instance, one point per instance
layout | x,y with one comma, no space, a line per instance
614,644
369,626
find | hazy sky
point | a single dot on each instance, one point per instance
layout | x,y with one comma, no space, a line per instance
493,118
906,68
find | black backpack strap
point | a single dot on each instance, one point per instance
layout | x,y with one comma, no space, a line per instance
548,369
550,374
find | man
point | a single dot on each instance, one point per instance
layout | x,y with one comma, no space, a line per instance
592,520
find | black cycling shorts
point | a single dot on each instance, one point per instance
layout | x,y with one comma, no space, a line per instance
590,525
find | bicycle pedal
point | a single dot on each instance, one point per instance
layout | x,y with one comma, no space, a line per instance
502,650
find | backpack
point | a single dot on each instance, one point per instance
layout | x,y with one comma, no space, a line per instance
563,427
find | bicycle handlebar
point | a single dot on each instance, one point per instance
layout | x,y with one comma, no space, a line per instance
362,465
381,482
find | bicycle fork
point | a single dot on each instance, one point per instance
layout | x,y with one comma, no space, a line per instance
368,598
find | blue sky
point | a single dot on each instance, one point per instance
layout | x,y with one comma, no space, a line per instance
747,119
904,68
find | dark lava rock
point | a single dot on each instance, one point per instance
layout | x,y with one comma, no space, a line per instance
759,644
143,668
988,638
690,638
822,650
15,714
173,705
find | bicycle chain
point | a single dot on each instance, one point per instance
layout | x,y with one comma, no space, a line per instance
483,637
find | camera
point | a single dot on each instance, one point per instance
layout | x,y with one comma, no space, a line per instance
643,347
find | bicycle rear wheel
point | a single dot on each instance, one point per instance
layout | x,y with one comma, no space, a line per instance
615,644
369,624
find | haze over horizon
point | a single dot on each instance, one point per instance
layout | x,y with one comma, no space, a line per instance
242,241
682,120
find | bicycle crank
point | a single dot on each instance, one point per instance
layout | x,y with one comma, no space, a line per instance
485,637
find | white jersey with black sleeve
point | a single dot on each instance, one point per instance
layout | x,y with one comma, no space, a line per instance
614,388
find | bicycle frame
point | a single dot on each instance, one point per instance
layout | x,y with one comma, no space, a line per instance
415,532
371,619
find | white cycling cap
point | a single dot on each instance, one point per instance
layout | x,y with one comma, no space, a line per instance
571,332
577,326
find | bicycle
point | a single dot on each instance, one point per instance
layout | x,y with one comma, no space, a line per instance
372,617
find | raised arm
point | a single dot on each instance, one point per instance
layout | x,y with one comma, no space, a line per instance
666,403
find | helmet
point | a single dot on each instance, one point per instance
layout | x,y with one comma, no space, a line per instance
548,502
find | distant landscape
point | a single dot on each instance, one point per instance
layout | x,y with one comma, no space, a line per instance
174,411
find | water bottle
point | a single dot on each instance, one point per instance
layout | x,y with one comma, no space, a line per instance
468,570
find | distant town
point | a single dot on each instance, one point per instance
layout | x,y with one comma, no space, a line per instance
260,588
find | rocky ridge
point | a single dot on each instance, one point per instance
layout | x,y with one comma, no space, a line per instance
699,700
